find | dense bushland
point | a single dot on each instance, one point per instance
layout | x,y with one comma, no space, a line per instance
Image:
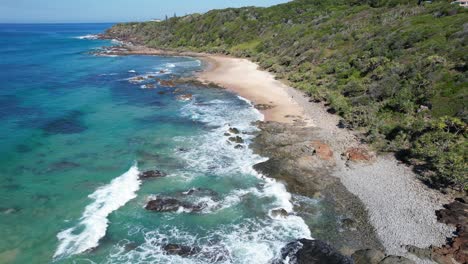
393,69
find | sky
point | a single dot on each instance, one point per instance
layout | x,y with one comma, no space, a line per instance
57,11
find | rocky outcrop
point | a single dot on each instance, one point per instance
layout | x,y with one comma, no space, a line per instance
151,174
181,250
263,106
236,139
358,154
167,83
455,213
172,205
305,251
281,212
234,130
301,158
322,150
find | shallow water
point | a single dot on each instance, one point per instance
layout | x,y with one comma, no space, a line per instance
76,131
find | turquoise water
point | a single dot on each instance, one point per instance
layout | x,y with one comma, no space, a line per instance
76,131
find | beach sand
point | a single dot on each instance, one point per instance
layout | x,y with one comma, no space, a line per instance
243,77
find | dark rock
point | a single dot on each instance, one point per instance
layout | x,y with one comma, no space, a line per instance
151,174
227,134
263,106
368,256
396,260
181,250
234,130
279,213
455,213
161,92
349,223
305,251
238,146
167,83
163,205
149,86
236,139
172,205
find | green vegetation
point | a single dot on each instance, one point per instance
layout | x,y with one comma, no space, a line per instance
392,69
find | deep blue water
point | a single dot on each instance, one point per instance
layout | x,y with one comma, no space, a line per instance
77,130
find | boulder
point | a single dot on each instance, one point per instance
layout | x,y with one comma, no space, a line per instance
238,146
358,154
181,250
368,256
168,83
306,251
164,205
172,205
396,260
236,139
234,130
322,150
281,212
151,174
263,106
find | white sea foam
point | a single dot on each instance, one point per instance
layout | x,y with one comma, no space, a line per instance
253,240
90,36
93,223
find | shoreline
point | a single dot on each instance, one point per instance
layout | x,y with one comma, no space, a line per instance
400,207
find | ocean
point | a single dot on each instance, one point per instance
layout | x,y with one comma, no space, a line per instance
77,130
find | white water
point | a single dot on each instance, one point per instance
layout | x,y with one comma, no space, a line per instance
93,223
255,240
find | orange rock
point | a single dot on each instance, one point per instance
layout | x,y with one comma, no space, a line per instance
322,150
358,154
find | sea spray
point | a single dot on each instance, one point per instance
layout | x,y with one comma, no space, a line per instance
93,223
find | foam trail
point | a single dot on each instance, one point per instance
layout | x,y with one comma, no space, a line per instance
90,36
94,222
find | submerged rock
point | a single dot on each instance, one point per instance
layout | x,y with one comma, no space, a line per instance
238,146
181,250
152,174
306,251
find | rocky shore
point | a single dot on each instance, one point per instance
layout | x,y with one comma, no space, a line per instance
381,212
